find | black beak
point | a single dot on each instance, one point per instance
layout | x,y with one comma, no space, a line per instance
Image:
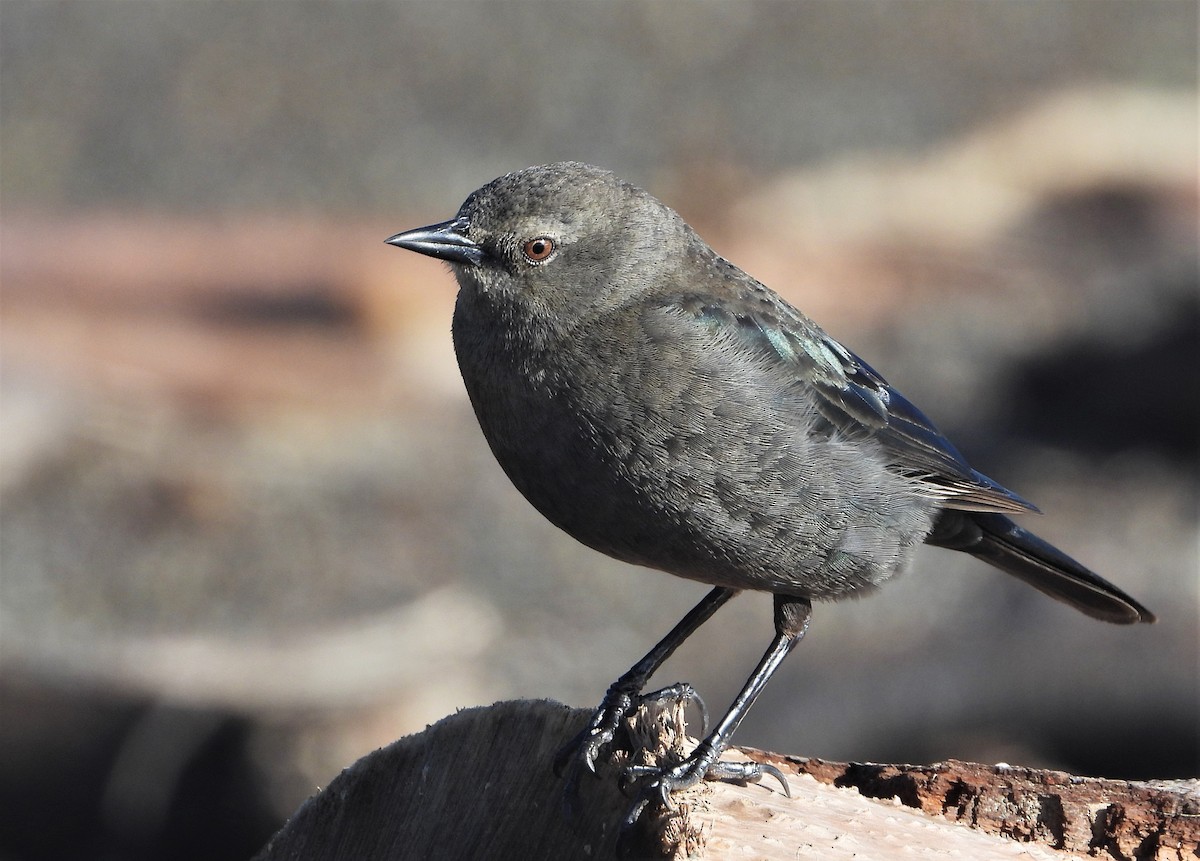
446,241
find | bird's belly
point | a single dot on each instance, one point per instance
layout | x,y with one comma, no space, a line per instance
723,499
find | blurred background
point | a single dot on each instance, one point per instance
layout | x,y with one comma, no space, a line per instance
249,530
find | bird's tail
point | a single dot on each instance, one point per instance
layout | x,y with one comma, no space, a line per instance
998,541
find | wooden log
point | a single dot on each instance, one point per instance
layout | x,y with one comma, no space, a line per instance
479,784
1087,815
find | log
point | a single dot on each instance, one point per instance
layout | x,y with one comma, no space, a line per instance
479,784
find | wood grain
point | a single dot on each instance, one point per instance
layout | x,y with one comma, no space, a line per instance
479,784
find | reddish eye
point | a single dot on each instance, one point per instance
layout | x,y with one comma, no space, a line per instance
538,249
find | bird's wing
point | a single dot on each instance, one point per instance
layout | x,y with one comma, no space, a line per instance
855,401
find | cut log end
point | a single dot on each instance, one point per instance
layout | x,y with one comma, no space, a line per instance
480,784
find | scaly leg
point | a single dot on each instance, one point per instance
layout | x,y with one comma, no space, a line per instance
625,696
792,616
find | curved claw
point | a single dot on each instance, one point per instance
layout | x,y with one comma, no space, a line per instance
618,705
634,814
778,775
679,692
703,714
628,834
583,751
655,792
568,754
747,772
663,782
575,756
600,731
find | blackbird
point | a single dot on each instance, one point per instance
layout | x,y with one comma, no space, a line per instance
663,407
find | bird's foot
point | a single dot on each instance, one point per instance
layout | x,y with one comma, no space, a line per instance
656,784
610,718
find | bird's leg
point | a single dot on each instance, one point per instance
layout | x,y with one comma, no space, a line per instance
792,616
625,695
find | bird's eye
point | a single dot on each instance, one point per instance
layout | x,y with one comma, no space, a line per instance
538,249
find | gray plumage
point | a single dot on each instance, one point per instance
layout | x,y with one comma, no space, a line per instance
663,407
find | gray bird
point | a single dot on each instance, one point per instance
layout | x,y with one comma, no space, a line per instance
663,407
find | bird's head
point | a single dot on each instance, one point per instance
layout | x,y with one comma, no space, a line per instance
558,243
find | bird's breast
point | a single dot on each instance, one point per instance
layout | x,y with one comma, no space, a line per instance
657,451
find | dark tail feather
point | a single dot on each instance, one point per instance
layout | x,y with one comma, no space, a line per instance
998,541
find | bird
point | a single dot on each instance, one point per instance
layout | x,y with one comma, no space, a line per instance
663,407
